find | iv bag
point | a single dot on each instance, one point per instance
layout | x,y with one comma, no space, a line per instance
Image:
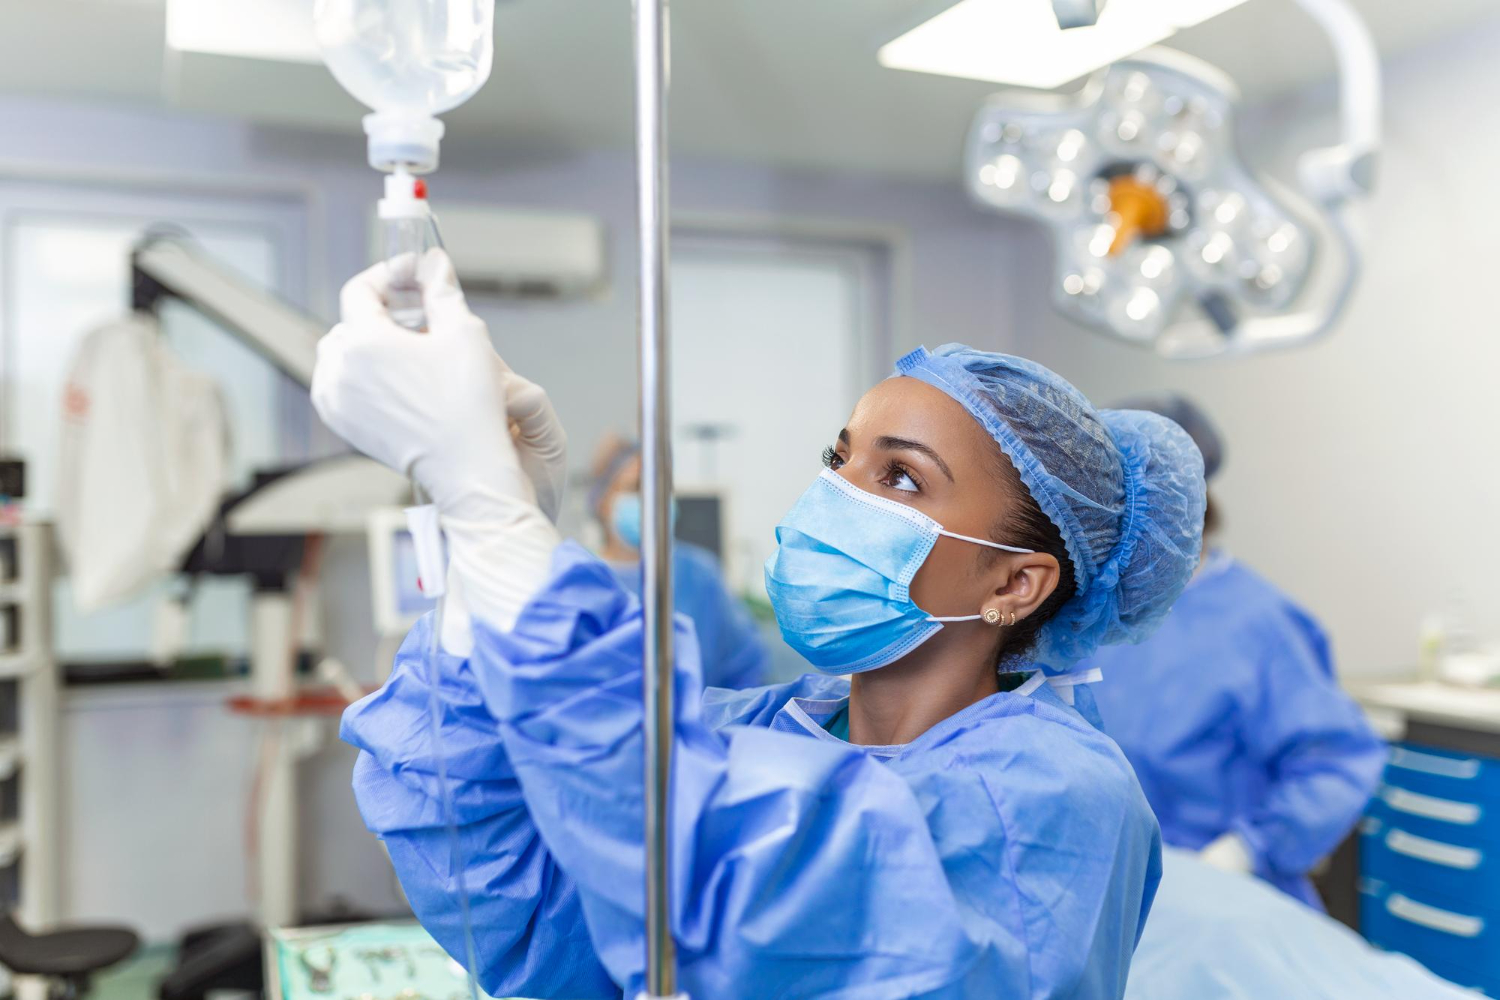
408,60
418,56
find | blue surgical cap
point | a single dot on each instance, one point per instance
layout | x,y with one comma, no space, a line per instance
1190,417
1124,488
623,452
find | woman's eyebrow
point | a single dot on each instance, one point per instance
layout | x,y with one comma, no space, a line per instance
906,444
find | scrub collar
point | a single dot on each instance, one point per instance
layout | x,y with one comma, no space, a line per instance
808,716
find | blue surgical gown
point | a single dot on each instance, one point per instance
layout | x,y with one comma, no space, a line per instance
733,654
1234,722
1007,851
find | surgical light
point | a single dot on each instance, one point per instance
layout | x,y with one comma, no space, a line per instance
1076,13
1161,235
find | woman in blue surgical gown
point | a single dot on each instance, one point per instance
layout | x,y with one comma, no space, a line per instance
730,648
1262,762
933,816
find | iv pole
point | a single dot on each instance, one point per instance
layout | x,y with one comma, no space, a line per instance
651,48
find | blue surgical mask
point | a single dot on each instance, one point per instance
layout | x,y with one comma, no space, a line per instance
839,579
625,518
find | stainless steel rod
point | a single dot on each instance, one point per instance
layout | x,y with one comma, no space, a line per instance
656,479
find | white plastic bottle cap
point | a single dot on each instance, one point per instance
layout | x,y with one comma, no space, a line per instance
403,139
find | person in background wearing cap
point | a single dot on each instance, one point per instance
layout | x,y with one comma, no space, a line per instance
734,655
1247,748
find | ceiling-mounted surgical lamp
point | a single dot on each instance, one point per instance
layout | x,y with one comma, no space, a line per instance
1161,234
1077,13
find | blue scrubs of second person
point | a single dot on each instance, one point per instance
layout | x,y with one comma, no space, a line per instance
1234,722
734,654
1006,852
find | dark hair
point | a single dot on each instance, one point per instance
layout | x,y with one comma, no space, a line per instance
1211,517
1029,528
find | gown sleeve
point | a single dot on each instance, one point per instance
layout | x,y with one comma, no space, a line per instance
1320,755
529,934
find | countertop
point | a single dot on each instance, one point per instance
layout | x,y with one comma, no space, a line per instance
1431,701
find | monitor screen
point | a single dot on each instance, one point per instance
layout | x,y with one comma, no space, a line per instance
700,521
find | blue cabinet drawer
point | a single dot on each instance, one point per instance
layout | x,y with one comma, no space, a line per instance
1465,874
1485,986
1453,821
1445,774
1431,930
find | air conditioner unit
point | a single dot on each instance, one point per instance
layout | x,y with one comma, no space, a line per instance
524,253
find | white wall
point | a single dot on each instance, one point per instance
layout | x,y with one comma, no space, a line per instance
1363,474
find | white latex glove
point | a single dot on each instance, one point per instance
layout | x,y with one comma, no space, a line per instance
540,440
1228,852
538,436
433,405
430,405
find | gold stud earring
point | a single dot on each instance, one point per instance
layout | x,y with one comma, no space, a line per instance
992,617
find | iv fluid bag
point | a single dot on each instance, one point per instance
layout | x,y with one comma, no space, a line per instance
417,57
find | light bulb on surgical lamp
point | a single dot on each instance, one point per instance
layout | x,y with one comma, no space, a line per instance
1161,234
1077,13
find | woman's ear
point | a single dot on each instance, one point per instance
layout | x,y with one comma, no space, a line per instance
1023,584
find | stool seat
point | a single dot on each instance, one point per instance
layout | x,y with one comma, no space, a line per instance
66,953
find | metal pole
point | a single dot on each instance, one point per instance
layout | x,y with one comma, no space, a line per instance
656,478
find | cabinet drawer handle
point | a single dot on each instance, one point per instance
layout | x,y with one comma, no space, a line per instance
1430,806
1431,917
1435,851
1466,768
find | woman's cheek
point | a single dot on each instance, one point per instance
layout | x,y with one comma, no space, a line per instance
945,584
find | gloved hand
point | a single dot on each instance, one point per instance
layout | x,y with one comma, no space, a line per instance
538,436
433,404
430,405
540,440
1228,852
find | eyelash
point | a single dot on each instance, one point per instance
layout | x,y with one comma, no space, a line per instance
893,470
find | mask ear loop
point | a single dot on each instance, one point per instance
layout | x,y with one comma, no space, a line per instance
996,620
987,542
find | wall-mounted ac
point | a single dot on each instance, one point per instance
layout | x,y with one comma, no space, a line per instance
524,253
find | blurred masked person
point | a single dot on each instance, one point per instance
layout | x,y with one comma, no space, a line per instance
1246,746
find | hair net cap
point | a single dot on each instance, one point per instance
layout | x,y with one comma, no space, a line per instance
1125,489
608,464
1190,417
